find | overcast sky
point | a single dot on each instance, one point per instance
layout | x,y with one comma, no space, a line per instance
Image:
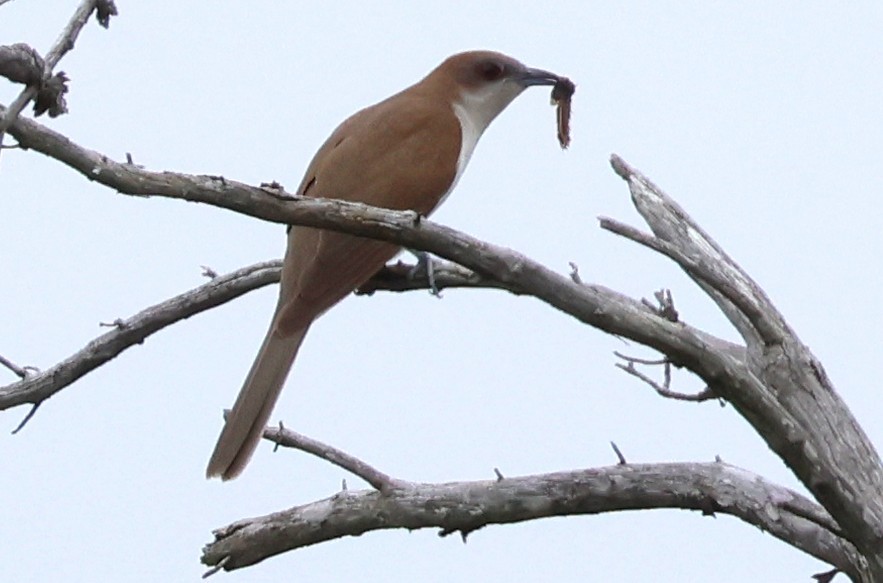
763,120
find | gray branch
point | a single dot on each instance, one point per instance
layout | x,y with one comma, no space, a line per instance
36,387
464,507
25,65
780,387
773,381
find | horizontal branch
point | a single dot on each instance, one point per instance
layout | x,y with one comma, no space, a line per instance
402,277
37,387
468,506
592,304
776,383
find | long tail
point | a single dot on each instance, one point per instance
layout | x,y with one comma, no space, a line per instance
246,422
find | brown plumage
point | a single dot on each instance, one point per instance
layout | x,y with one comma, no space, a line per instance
404,153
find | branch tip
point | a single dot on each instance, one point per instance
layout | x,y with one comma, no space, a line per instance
619,455
19,371
827,576
288,438
622,169
216,568
574,273
27,417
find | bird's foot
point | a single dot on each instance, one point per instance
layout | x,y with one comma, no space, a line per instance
426,265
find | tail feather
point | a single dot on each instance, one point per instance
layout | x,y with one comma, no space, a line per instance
254,405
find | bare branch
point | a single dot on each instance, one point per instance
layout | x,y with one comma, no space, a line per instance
68,37
126,333
27,417
21,64
401,277
618,453
783,392
664,390
574,273
53,101
288,438
827,576
20,372
636,360
775,383
468,506
592,304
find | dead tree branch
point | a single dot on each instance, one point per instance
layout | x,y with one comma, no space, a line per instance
42,85
39,386
774,381
464,507
287,438
780,387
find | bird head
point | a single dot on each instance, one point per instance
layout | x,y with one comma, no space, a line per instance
483,83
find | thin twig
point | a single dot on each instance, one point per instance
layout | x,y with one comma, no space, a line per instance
19,371
619,455
704,395
647,361
700,269
827,576
62,46
27,417
288,438
68,37
216,568
574,272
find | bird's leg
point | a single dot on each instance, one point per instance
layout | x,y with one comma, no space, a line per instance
424,262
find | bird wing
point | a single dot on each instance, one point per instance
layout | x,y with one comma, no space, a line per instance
401,158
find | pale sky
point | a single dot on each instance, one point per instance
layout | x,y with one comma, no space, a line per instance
762,119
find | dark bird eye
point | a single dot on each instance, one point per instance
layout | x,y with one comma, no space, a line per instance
491,70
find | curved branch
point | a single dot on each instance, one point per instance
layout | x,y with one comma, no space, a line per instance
801,416
776,384
37,387
402,277
592,304
62,46
468,506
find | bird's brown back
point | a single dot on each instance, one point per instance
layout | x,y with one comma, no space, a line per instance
388,155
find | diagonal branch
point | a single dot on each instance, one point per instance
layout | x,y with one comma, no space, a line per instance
774,382
283,437
465,507
37,387
783,390
593,304
64,44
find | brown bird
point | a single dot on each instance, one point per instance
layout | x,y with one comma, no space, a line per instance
404,153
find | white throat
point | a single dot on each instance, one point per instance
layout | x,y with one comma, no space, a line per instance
470,130
475,111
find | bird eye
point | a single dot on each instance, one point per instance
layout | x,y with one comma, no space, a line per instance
491,70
